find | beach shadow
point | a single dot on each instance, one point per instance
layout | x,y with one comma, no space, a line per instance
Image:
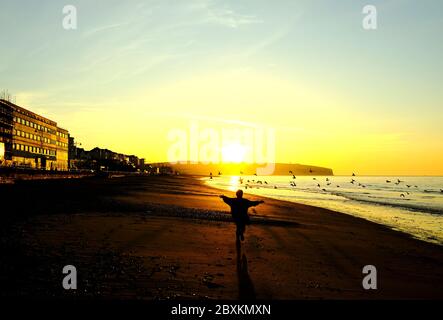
246,288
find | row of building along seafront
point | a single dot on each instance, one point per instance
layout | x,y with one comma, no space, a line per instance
29,140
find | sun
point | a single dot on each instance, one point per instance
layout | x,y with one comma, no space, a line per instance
233,153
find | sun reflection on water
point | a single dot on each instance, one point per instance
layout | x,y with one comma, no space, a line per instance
234,183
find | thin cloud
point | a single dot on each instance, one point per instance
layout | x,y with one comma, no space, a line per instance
100,29
230,18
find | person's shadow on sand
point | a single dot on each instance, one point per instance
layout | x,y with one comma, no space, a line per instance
246,289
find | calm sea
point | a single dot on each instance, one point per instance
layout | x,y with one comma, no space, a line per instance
414,205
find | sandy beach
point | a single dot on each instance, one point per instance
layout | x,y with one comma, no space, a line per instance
155,238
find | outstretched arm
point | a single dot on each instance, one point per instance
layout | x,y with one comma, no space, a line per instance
226,199
255,203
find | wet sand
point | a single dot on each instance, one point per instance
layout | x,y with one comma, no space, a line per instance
172,238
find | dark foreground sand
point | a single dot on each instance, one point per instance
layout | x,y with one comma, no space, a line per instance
170,237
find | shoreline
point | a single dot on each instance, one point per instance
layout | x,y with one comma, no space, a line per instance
146,238
428,236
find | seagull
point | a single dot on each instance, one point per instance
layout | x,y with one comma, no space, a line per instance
314,178
327,179
408,186
293,177
323,190
310,171
318,185
353,174
219,173
441,190
338,186
388,181
402,195
275,187
291,172
266,182
398,181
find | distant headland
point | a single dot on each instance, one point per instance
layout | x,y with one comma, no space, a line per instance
246,169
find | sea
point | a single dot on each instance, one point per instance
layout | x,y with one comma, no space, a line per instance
413,205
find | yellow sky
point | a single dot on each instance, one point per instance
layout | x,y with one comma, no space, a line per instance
335,94
310,127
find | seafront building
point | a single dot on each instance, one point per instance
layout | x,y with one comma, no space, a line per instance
102,159
6,127
31,140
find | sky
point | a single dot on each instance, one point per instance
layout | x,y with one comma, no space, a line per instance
141,77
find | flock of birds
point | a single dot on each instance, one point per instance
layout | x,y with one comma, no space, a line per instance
255,183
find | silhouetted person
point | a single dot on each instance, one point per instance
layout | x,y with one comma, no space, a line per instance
239,211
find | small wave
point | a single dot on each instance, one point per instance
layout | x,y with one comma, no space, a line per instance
407,206
433,191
